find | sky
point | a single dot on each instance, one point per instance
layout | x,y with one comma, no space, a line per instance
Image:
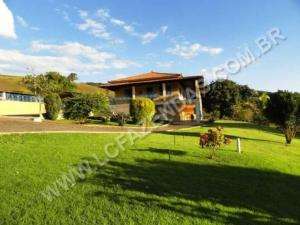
101,40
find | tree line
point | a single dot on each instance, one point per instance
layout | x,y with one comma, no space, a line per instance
227,99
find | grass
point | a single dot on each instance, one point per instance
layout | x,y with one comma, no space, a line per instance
142,186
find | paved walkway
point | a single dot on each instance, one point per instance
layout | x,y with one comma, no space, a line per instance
20,125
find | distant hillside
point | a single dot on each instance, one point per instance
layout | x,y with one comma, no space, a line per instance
14,84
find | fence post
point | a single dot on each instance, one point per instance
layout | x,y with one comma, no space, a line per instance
238,146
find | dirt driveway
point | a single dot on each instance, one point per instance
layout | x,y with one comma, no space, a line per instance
22,125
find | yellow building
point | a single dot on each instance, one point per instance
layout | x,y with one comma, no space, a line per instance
16,99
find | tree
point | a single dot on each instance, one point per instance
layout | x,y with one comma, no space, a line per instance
52,105
263,100
72,77
246,93
222,96
49,83
80,106
281,109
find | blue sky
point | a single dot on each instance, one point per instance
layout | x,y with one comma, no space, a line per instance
103,40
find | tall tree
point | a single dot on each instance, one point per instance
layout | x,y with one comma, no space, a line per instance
221,97
281,109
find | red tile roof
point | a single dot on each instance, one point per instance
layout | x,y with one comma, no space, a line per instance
151,77
146,77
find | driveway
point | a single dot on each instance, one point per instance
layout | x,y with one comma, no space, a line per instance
25,125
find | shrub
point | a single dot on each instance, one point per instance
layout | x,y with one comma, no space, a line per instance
81,106
53,106
290,130
142,110
214,139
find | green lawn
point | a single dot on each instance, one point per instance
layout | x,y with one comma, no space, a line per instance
142,186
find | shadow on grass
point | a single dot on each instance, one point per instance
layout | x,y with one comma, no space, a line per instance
162,151
197,134
244,125
180,186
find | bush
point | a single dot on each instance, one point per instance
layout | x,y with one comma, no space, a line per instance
290,130
53,106
142,110
81,106
213,139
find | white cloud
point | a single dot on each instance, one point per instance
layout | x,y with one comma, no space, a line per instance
189,51
22,21
64,14
165,64
83,13
104,17
66,58
7,27
148,37
73,49
103,14
117,22
25,24
96,28
120,23
164,29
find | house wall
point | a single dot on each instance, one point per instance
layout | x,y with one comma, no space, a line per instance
141,90
9,108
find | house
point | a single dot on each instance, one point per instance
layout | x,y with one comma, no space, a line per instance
16,99
182,92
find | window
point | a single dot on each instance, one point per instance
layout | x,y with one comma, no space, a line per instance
150,92
127,93
21,97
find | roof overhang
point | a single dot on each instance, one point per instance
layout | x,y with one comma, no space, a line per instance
113,85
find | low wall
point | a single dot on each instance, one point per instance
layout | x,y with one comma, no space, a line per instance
10,108
120,108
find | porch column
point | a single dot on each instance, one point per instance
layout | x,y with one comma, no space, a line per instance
3,96
133,92
164,90
199,110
